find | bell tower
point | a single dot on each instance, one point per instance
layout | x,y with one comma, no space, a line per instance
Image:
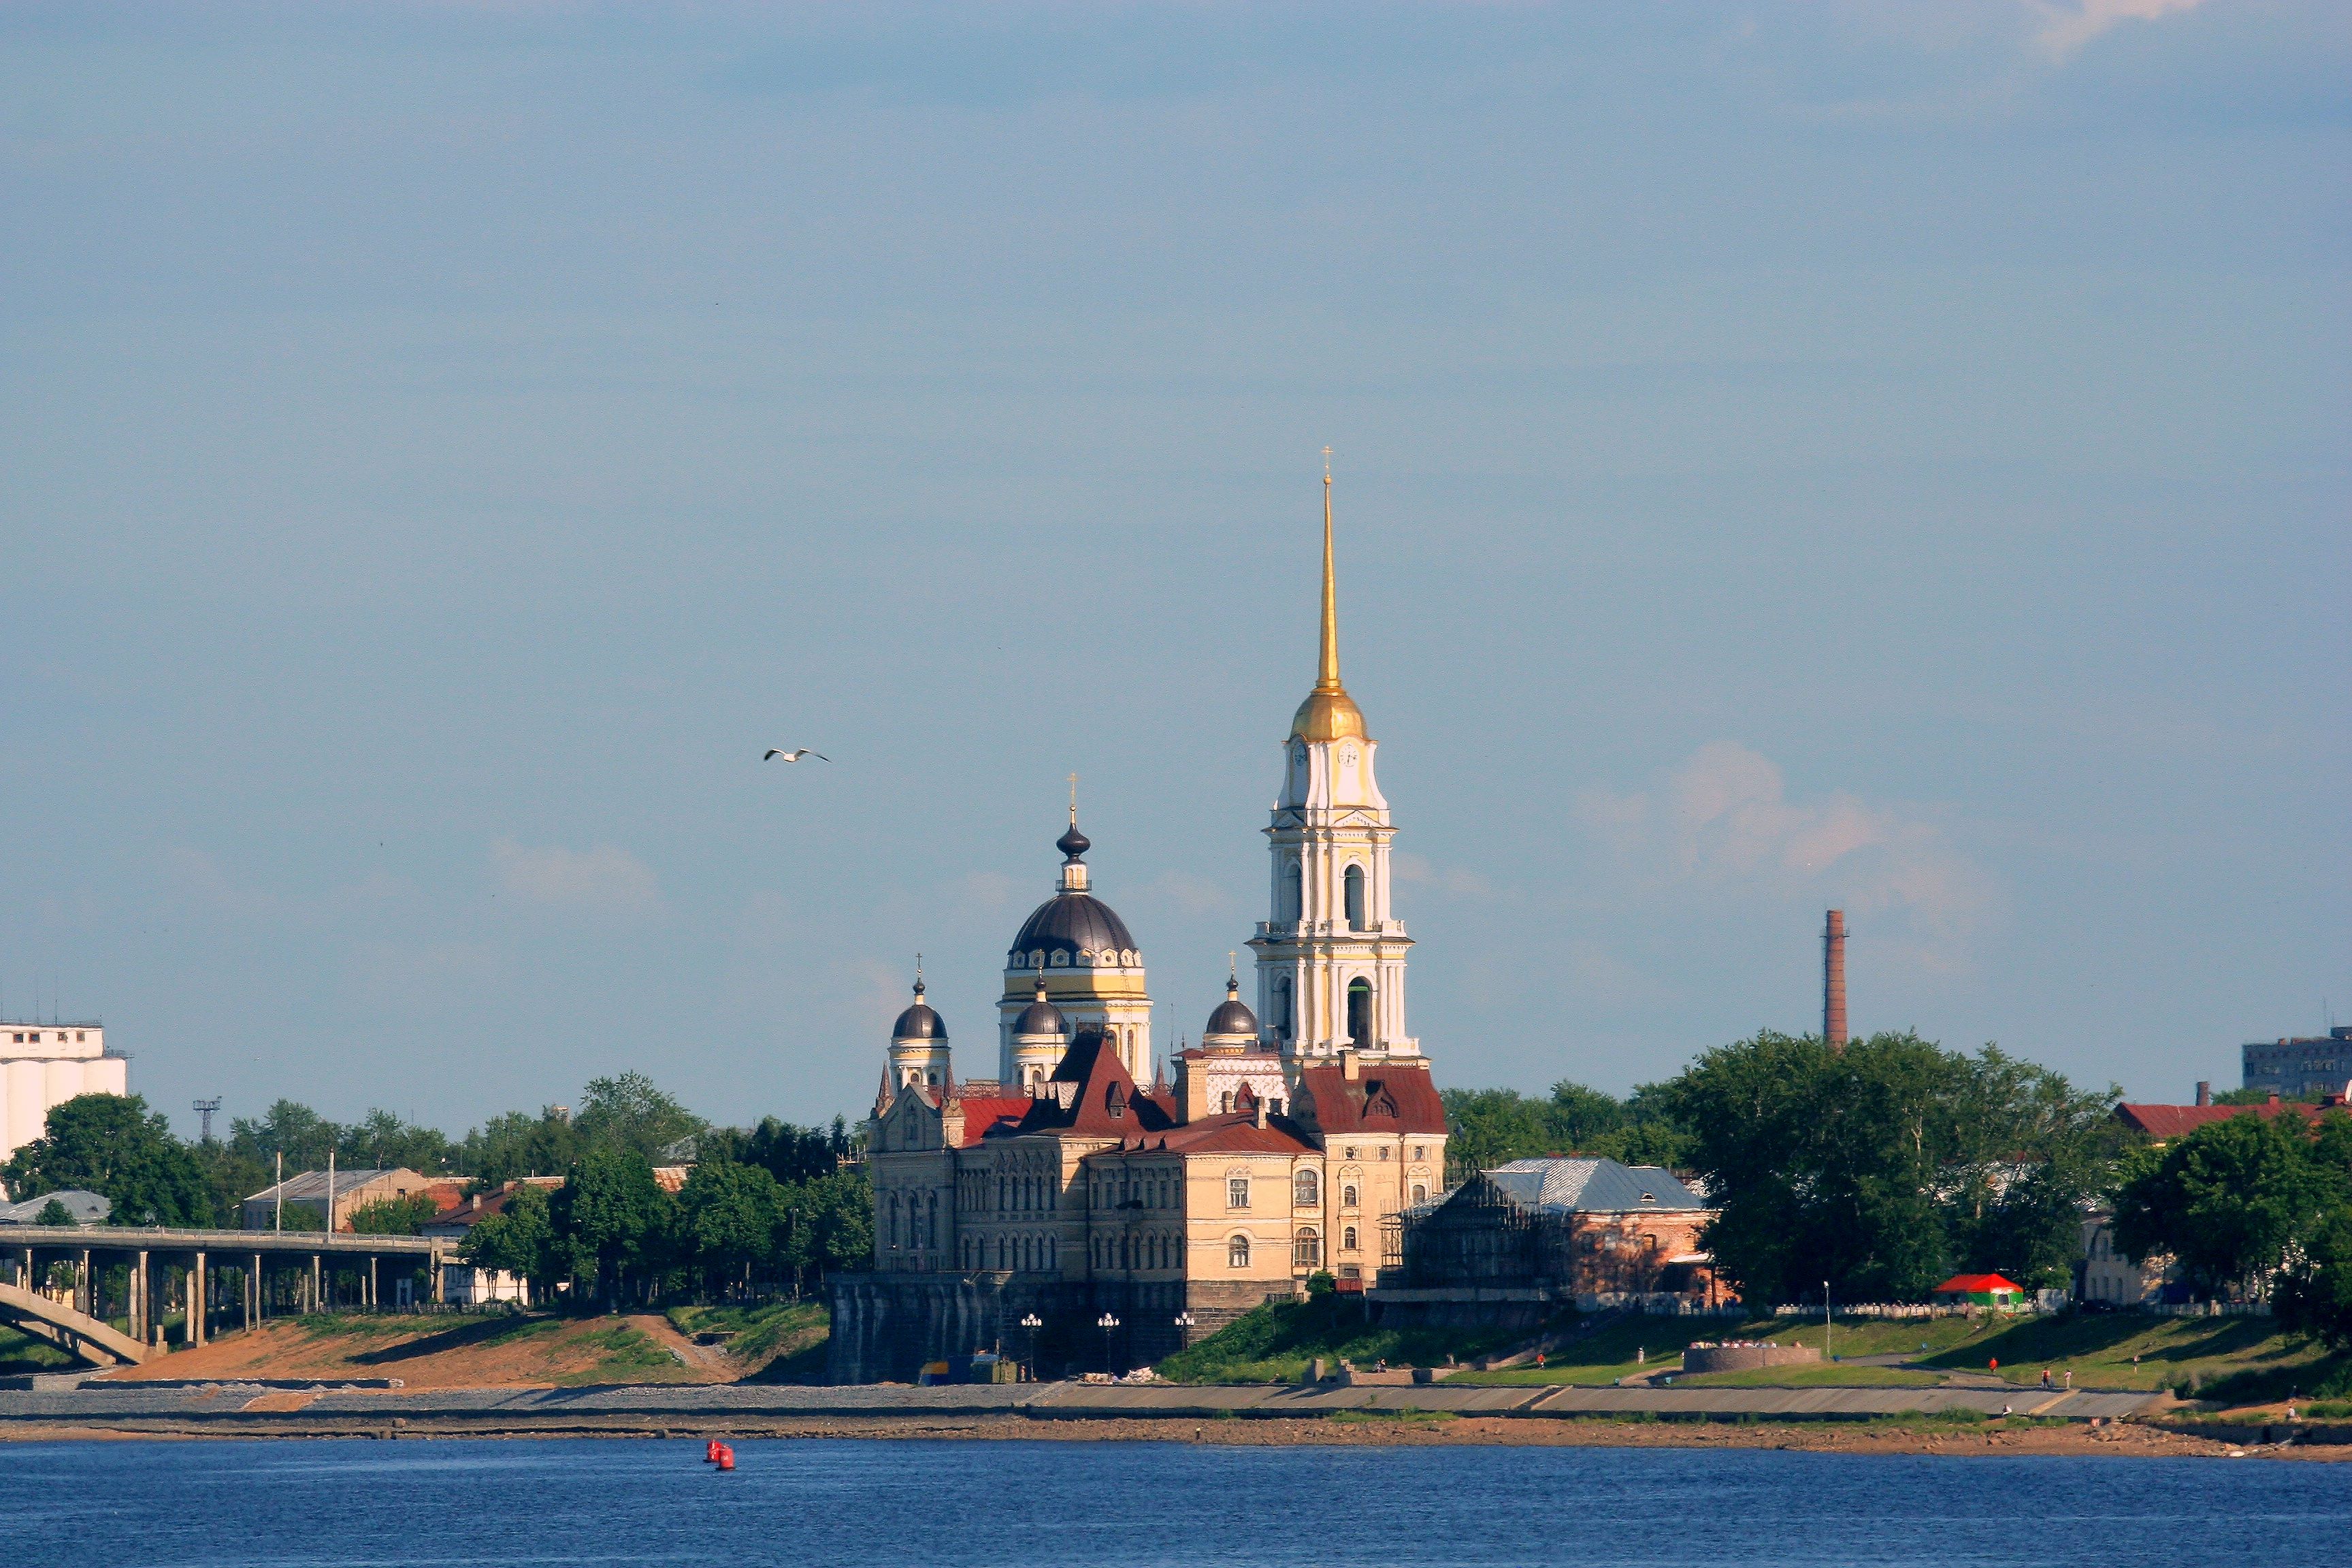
1331,960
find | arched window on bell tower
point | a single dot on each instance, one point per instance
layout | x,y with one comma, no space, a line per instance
1353,885
1294,893
1360,1013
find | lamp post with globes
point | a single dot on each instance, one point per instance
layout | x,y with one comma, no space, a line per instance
1032,1322
1106,1323
1184,1320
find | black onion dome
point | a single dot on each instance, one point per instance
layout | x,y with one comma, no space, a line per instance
1232,1018
1073,843
1042,1018
918,1022
1073,923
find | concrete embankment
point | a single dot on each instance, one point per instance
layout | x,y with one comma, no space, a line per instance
257,1409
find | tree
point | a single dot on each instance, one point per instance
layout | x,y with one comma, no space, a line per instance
382,1141
2228,1202
55,1213
393,1216
629,1113
2313,1293
520,1239
288,1128
614,1216
518,1144
111,1145
727,1214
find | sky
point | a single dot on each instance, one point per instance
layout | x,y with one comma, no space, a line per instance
1880,456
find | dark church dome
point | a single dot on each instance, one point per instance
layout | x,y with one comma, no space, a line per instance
918,1022
1041,1016
1232,1022
1072,924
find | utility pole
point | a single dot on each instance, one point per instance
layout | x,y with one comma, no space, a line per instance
1825,1322
278,1197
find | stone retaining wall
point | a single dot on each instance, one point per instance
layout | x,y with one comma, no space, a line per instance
1748,1358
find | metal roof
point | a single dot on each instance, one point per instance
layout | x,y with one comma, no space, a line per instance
87,1207
1599,1185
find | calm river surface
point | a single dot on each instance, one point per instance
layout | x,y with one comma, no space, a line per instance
1041,1505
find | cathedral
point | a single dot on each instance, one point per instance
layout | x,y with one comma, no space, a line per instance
1068,1214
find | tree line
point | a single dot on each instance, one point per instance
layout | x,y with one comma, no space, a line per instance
772,1201
1879,1170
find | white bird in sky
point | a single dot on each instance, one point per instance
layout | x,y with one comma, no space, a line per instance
794,755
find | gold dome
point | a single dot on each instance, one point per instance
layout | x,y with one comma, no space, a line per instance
1329,714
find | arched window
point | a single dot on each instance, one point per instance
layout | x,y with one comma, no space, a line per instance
1293,892
1347,1239
1352,893
1226,1102
1237,1252
1305,1189
1282,1005
1307,1248
1420,1193
1359,1012
1347,1196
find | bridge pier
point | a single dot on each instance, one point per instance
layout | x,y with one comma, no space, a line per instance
196,1302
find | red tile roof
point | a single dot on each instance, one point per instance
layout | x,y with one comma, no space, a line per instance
1236,1132
1388,1097
2166,1122
1103,1102
1976,1285
984,1116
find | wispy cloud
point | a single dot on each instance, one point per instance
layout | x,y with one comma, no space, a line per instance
1419,870
1724,819
605,879
2066,28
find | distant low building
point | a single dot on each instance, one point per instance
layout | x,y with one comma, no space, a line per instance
463,1284
86,1208
2105,1275
306,1192
2163,1123
2300,1067
1551,1231
42,1066
1980,1290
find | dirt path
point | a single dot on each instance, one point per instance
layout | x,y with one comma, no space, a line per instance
450,1352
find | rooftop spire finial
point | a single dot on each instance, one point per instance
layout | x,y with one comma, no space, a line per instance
919,974
1327,671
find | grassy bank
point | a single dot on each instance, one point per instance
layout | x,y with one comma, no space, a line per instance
1274,1344
784,1343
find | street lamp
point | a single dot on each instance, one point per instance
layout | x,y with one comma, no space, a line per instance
1032,1322
1825,1322
1106,1323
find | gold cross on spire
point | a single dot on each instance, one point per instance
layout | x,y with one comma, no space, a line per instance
1074,800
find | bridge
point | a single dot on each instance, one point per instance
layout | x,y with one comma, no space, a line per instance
236,1278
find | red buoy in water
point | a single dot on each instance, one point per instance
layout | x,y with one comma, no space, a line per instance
710,1452
726,1457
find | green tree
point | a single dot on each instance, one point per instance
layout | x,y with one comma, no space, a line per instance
288,1128
518,1144
231,1174
1491,1126
727,1214
393,1216
520,1239
2313,1292
2228,1202
55,1213
111,1145
382,1141
629,1113
615,1217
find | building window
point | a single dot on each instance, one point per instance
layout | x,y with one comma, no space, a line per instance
1282,1005
1237,1252
1359,1012
1420,1193
1307,1248
1237,1191
1347,1196
1347,1239
1294,897
1306,1190
1352,892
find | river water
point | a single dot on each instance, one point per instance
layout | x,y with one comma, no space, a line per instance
1043,1505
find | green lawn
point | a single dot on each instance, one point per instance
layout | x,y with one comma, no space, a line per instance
22,1354
780,1343
1274,1344
2239,1360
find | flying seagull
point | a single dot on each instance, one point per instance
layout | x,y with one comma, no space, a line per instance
794,755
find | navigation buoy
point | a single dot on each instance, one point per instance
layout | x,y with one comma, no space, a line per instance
710,1452
726,1457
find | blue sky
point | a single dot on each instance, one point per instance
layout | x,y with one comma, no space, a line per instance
1887,455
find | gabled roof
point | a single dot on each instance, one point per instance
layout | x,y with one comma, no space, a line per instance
87,1207
1236,1132
2166,1122
1092,1093
994,1113
1594,1186
1387,1097
310,1186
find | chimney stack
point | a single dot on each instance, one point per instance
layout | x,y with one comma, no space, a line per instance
2204,1091
1834,981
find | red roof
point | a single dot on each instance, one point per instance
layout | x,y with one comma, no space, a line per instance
1387,1097
1976,1285
984,1116
1235,1132
1104,1101
2166,1122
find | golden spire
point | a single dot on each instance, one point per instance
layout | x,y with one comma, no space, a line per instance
1328,713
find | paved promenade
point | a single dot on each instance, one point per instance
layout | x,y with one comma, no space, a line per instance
256,1408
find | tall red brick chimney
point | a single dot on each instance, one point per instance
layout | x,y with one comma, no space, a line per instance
1834,981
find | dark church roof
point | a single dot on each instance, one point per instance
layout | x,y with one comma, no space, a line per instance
918,1022
1071,923
1232,1019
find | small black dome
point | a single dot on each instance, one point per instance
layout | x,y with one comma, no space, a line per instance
1233,1019
1073,843
918,1022
1041,1016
